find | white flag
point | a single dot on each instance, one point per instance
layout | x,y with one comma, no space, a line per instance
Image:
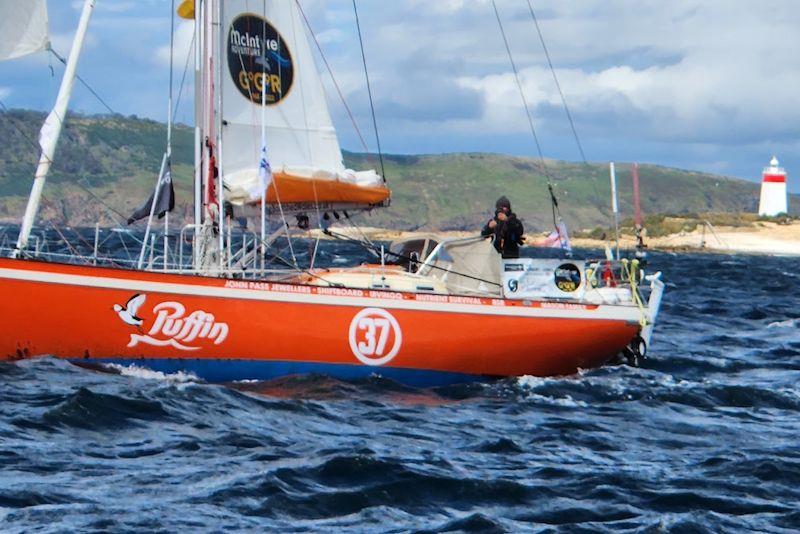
264,176
23,28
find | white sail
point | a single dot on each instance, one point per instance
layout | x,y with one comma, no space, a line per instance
267,40
23,28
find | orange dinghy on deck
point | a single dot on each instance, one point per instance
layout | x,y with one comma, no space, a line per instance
226,330
292,189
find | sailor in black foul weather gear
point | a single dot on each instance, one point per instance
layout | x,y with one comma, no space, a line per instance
506,230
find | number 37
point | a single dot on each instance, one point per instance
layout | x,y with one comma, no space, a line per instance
376,334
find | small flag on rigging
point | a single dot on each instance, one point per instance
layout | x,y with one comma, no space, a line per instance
558,238
264,176
165,201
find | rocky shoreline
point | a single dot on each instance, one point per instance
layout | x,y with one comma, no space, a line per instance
767,238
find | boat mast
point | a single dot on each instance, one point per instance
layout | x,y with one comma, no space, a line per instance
169,124
198,130
637,210
262,247
614,204
637,207
223,258
51,130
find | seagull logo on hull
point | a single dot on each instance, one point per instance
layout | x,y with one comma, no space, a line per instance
172,326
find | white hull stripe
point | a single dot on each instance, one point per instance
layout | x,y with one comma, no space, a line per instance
602,312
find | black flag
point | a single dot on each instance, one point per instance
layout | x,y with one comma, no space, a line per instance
165,201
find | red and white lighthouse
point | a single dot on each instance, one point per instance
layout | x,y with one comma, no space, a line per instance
773,190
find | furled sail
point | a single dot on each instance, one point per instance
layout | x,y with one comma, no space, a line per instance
23,28
265,42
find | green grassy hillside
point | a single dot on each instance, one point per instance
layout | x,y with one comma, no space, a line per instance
115,159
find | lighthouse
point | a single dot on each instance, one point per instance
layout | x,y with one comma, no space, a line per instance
773,190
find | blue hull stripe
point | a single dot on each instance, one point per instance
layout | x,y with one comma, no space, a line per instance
233,370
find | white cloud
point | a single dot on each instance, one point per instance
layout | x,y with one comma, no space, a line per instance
4,92
728,80
677,71
184,33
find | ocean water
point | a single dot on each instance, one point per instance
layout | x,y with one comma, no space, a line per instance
704,437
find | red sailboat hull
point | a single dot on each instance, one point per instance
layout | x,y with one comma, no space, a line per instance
225,330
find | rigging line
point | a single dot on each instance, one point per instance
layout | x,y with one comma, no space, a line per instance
85,84
303,103
277,256
319,221
256,149
333,78
12,121
110,209
274,183
34,144
369,92
183,78
171,78
519,84
38,148
542,166
563,98
360,230
52,206
555,78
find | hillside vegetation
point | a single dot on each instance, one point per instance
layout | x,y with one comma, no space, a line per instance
105,166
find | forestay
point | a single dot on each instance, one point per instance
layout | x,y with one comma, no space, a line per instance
23,28
265,42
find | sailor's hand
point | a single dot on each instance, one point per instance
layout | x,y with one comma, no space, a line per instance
492,224
502,217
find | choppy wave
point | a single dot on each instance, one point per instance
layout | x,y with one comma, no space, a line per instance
702,438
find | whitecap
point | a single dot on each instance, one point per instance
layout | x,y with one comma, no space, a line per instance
565,401
181,377
531,382
788,323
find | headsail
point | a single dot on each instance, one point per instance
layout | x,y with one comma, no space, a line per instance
23,28
266,43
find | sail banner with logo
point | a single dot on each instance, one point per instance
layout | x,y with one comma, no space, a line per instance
265,45
23,28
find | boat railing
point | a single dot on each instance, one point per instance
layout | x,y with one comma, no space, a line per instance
613,273
173,253
243,260
182,240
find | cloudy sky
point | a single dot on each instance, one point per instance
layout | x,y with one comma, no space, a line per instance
707,85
